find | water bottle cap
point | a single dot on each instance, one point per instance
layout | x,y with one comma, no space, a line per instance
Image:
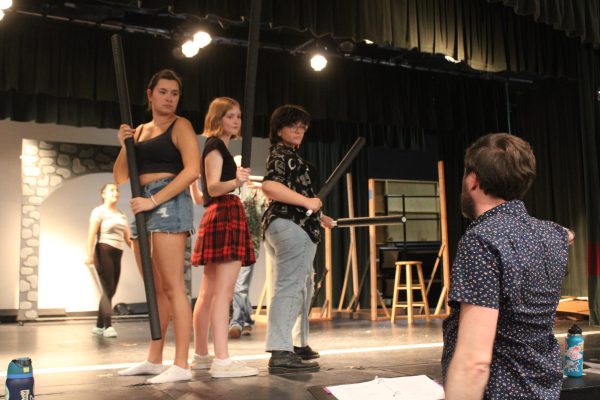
575,330
19,367
23,361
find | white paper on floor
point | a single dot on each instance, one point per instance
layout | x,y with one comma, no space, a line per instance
419,387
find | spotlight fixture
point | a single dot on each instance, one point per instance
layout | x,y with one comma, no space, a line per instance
318,62
202,39
346,46
189,49
451,59
5,4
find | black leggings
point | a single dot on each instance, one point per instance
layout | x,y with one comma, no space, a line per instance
107,260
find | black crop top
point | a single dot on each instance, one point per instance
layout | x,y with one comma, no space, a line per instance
158,154
228,172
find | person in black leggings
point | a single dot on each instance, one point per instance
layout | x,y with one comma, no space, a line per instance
108,233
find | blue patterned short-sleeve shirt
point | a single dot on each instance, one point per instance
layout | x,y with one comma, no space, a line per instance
512,262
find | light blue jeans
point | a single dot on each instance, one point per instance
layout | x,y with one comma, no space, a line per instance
293,253
242,308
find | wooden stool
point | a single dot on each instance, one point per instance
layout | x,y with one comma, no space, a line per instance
409,289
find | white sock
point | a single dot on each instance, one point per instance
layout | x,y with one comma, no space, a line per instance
174,374
222,361
143,368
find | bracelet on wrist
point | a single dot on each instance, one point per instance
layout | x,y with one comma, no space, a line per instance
153,200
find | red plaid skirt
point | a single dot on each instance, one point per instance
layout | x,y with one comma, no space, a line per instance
223,235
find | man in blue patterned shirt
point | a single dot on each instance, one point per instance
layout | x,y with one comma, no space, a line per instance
505,282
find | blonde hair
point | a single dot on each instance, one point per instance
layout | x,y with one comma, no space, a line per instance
217,110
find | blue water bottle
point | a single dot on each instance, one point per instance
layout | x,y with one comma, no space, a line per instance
574,353
19,380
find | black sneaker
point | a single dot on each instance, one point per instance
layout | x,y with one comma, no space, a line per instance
306,353
283,362
247,330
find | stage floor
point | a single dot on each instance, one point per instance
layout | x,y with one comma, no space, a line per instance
71,363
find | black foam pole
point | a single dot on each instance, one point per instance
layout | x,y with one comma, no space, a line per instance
369,221
140,221
340,169
250,84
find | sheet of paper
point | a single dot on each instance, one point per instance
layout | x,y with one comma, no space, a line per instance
418,387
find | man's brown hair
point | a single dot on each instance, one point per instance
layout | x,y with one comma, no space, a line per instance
503,163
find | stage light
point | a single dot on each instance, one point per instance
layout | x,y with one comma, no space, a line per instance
4,4
367,41
318,62
202,39
1,15
451,59
189,49
346,46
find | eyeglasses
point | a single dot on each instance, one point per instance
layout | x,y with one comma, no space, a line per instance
295,127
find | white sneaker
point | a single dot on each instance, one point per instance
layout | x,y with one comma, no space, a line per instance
236,369
97,331
174,374
201,362
143,368
110,332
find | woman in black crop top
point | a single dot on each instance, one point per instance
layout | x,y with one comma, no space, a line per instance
168,159
223,243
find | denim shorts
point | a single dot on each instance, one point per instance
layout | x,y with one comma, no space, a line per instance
173,216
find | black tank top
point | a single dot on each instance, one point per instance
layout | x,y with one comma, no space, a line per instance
228,172
158,154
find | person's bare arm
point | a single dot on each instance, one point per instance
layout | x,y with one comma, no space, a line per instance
196,194
91,240
213,167
469,368
281,193
127,236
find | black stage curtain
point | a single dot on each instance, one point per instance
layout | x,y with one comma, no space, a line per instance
579,18
62,73
547,116
487,37
589,85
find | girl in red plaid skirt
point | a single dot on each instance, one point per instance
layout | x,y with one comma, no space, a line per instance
223,243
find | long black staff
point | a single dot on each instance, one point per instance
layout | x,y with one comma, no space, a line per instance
368,221
340,169
140,221
250,86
